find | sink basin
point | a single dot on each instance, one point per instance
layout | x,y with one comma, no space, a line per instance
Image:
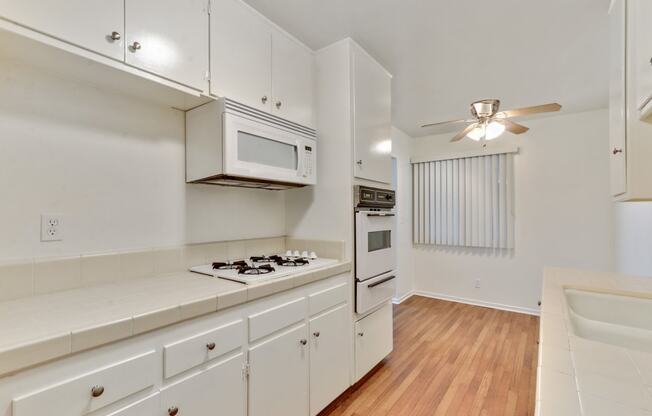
616,319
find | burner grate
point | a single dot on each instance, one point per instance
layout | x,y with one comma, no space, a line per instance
253,270
229,265
264,259
292,262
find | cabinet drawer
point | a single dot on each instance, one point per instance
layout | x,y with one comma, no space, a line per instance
146,407
328,298
108,384
373,340
191,352
277,318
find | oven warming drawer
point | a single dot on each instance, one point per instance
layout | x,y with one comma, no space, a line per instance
374,292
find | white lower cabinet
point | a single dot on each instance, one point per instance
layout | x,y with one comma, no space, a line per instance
329,351
217,390
278,374
374,340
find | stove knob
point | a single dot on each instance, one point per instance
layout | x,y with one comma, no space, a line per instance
288,253
304,254
296,253
313,255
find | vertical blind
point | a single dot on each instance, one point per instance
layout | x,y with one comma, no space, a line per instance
465,201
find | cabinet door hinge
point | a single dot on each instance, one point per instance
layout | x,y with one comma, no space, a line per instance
207,75
208,7
245,370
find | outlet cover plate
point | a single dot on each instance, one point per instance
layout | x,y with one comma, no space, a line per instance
51,227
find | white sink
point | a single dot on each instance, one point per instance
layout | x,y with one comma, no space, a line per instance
620,320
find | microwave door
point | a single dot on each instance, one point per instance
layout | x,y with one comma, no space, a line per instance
375,244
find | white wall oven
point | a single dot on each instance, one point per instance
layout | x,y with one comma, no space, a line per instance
375,247
228,143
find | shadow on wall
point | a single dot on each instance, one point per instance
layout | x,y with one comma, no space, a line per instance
501,253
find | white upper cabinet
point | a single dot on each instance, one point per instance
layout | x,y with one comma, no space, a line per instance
255,63
617,104
241,54
630,148
372,113
97,25
293,68
169,38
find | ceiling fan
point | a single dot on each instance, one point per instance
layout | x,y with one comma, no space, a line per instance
488,123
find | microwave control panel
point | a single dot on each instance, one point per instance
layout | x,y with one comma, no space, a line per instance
308,161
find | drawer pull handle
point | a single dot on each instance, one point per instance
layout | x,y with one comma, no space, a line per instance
380,282
97,391
316,334
616,151
173,411
303,342
210,346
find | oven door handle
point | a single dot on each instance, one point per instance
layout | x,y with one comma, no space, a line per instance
380,214
380,282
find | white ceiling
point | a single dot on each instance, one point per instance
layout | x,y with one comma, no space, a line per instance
446,53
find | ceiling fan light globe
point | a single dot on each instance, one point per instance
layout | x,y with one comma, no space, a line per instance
494,130
476,134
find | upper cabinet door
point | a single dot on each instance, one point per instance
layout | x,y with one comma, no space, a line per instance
241,55
641,38
97,25
293,67
169,38
617,103
372,87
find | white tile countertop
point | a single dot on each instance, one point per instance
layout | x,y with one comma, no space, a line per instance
582,376
40,328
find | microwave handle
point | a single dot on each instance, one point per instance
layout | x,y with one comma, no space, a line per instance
381,214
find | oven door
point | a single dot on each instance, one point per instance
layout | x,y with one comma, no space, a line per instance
258,150
371,293
375,248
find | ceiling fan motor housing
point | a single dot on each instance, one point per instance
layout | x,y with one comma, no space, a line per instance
485,109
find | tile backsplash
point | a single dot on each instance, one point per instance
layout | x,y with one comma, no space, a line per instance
46,275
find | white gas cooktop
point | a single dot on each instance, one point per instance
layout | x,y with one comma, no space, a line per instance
262,268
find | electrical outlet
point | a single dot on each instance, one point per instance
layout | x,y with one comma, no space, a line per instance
477,283
51,227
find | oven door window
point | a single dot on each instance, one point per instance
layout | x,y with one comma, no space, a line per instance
379,240
263,151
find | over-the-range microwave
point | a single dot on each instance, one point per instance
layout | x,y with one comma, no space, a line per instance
228,143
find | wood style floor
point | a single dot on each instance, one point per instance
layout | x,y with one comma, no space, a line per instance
450,359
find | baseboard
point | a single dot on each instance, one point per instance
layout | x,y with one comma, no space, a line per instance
509,308
399,300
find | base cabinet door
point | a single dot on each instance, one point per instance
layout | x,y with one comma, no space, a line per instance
169,38
329,357
221,389
278,375
97,25
374,340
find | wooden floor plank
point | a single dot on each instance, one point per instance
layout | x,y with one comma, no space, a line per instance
450,359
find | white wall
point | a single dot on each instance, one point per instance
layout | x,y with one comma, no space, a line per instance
634,238
402,150
114,167
564,215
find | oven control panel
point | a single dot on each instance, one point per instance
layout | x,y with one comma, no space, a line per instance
368,197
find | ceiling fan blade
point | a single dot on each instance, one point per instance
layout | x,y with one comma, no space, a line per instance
443,123
546,108
512,127
464,132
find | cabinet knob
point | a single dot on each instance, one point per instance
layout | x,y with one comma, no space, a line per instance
173,411
316,334
115,36
279,104
97,391
303,342
210,346
650,61
616,151
361,334
135,46
264,99
539,303
359,162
